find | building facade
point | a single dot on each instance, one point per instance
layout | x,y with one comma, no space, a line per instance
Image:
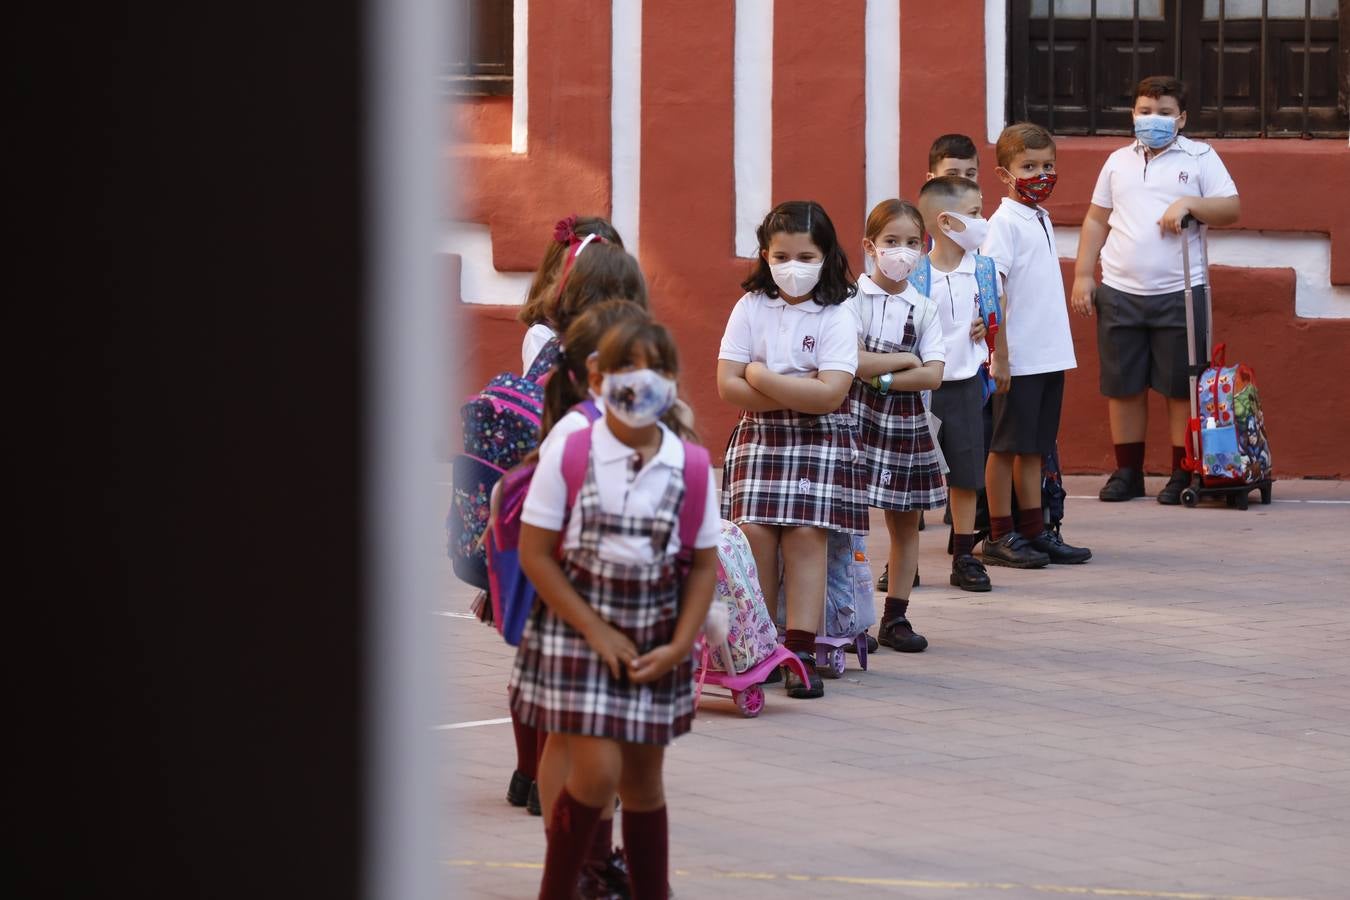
684,121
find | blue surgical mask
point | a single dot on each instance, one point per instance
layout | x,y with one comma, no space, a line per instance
1155,132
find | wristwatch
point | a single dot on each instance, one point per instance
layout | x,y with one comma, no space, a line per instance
883,382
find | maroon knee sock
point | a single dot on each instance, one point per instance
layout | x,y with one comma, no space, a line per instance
1000,526
1178,454
1130,456
527,747
1030,523
895,609
798,641
647,846
963,544
569,834
603,842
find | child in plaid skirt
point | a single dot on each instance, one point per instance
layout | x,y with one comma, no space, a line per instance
793,471
604,664
901,353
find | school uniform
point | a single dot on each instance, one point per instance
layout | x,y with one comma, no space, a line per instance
1141,311
571,422
959,403
1040,347
786,467
619,547
903,467
536,336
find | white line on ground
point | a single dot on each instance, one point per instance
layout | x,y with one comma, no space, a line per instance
456,725
454,615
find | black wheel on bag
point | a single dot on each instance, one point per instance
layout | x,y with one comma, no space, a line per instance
1265,495
1241,500
1189,497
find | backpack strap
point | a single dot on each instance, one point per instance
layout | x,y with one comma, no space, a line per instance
696,466
922,275
986,284
588,409
576,453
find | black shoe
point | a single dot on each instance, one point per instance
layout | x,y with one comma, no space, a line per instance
532,805
969,575
899,635
1052,545
1014,551
1124,484
775,676
871,644
604,881
1170,495
810,689
884,582
518,791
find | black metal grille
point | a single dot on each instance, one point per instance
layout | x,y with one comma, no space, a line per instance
1250,74
483,64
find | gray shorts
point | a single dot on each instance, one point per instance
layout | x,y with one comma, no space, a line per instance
1026,419
960,406
1141,341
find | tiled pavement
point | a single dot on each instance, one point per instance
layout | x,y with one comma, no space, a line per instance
1170,720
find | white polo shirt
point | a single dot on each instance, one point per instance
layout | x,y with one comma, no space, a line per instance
791,339
1137,258
891,311
958,304
571,421
625,490
536,336
1022,242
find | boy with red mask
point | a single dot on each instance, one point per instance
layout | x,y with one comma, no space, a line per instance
1030,361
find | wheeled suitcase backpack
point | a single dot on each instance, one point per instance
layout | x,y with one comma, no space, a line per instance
1226,447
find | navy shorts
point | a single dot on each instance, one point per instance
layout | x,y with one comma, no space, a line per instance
959,404
1141,341
1026,419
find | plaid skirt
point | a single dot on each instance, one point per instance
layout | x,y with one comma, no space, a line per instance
559,684
904,470
790,468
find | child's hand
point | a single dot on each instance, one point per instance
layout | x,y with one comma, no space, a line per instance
1084,290
653,664
998,368
612,646
977,329
1170,223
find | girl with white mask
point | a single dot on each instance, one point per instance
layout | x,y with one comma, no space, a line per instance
793,470
900,353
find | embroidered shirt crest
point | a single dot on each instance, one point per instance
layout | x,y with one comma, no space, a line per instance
808,344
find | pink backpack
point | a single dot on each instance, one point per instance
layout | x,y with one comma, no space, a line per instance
513,596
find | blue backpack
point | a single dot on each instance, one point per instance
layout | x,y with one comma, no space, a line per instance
986,284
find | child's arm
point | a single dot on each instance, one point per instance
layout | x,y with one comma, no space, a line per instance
815,395
1210,210
695,599
1096,228
734,388
871,364
537,561
927,377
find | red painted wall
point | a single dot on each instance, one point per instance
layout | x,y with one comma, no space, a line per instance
688,198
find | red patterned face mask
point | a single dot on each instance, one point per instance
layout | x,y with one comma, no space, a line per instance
1036,190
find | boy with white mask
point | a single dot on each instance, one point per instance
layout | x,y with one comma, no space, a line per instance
951,207
1143,193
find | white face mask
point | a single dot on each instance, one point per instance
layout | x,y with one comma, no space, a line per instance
638,398
896,263
796,278
973,236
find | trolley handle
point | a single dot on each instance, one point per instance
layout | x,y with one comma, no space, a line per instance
1188,220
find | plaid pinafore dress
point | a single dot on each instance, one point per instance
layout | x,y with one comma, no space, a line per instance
905,472
559,684
790,468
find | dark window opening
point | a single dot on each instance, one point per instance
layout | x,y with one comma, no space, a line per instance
1253,68
482,64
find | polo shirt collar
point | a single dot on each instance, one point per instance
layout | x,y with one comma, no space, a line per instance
607,448
966,266
1180,142
1026,212
807,306
867,286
